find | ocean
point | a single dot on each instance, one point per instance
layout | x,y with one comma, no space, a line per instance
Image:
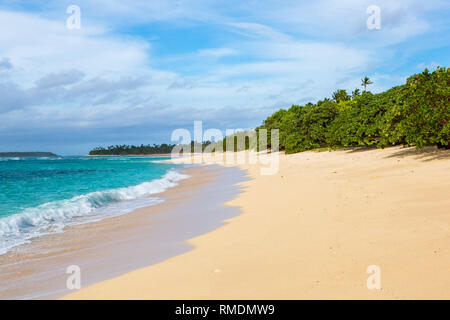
39,196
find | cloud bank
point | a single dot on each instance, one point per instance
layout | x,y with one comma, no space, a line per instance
134,72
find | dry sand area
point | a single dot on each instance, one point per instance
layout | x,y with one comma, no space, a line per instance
311,231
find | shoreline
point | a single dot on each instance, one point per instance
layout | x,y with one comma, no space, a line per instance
89,207
129,155
312,230
115,245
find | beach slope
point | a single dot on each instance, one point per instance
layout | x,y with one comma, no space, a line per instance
312,230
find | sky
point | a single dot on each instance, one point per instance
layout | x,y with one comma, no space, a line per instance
136,70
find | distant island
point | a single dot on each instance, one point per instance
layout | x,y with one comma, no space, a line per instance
155,149
27,154
133,150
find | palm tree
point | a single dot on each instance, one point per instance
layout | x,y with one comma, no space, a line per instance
365,82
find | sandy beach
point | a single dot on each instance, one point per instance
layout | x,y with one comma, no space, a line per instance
311,230
116,245
189,153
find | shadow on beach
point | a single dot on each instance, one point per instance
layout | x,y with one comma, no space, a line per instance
426,154
429,153
360,149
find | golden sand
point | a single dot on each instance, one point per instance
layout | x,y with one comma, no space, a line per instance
312,230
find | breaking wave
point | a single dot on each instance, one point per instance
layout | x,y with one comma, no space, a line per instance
53,216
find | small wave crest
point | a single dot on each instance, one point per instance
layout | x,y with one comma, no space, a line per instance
53,216
10,159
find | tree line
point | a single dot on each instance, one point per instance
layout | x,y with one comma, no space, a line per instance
145,149
27,154
414,114
129,150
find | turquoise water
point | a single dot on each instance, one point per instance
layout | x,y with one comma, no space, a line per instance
42,195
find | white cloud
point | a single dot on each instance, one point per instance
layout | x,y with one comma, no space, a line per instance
59,79
38,46
273,54
430,66
256,29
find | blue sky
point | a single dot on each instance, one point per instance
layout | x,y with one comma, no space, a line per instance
137,70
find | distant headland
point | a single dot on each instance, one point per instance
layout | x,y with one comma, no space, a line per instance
27,154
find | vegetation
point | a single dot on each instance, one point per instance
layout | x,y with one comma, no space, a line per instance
132,150
365,82
144,149
26,154
414,114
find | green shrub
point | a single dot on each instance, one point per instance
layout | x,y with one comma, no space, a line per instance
416,113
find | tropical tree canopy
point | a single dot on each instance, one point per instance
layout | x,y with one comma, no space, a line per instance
414,114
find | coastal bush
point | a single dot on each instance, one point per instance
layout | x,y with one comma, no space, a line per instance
416,113
421,115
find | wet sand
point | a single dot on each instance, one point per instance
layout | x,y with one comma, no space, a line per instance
114,246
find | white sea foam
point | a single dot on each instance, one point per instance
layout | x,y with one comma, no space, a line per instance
54,216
